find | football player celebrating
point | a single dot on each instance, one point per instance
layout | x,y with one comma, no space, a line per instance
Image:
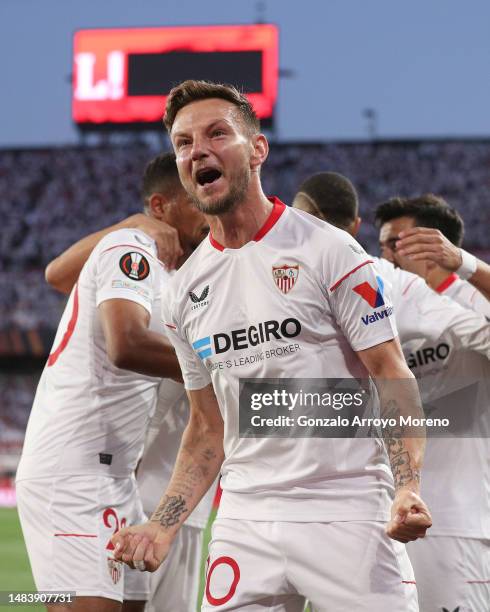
281,285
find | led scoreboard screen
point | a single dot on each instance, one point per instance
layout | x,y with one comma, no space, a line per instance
121,77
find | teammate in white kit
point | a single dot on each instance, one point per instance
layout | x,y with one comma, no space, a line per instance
429,244
282,295
445,346
458,550
429,218
75,481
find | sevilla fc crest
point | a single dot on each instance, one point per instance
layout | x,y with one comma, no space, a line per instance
115,569
285,277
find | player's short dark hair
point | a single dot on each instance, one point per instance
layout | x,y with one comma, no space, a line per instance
427,210
334,195
160,175
191,91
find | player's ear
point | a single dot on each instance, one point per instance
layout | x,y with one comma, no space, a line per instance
158,206
260,151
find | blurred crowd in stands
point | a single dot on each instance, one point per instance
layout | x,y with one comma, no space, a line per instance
51,198
16,396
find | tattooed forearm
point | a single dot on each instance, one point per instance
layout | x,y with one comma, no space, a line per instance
192,475
391,410
189,476
197,464
403,472
402,465
170,510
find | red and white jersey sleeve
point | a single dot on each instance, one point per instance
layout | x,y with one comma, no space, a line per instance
88,416
424,313
126,267
358,293
466,294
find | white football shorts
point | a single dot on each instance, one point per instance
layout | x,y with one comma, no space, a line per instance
347,566
68,523
452,573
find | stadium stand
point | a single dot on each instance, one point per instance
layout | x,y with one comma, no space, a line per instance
50,198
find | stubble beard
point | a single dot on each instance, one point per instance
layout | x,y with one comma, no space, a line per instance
238,190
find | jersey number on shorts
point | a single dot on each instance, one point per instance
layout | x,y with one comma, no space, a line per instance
108,514
210,567
53,357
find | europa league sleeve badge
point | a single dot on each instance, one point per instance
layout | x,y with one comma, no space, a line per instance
134,265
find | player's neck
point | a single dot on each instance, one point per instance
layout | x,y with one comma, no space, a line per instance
436,276
239,226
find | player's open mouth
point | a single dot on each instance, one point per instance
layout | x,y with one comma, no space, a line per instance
206,176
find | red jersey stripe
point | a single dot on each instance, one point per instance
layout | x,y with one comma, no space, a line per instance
75,535
135,247
53,358
447,283
215,243
405,291
273,218
341,280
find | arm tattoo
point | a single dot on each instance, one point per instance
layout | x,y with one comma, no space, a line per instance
170,510
403,473
401,466
188,477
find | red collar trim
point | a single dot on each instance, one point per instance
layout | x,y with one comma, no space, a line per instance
447,283
272,219
277,210
215,243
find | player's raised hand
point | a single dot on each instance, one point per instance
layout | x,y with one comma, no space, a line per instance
410,517
165,236
142,547
420,243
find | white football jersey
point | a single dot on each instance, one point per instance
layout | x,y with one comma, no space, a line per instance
161,446
295,302
90,417
447,347
465,293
